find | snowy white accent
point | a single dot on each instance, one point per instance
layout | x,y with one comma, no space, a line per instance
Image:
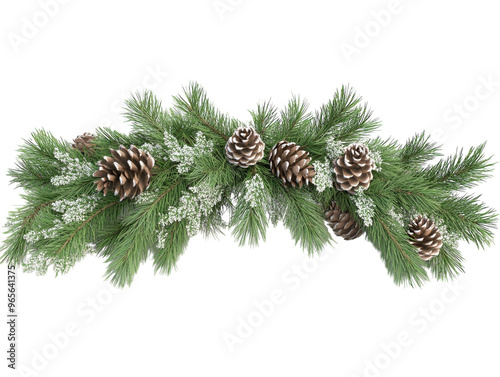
254,193
324,175
34,236
334,148
76,210
365,206
449,238
199,202
72,169
186,156
397,217
154,150
376,159
39,262
161,239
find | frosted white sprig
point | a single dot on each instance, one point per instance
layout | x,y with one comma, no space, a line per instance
254,192
155,150
161,238
147,197
376,159
64,264
334,148
186,156
34,236
397,217
76,210
274,211
365,206
199,202
324,175
449,238
71,170
39,262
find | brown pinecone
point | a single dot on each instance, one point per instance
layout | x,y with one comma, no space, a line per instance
291,163
353,169
425,235
244,148
127,173
342,223
84,143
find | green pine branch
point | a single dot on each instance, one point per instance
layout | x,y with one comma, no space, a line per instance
265,118
418,150
146,114
138,236
196,105
401,260
459,171
448,264
470,218
405,184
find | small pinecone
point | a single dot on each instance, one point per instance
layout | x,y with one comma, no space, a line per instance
245,148
84,143
426,237
127,173
291,163
353,169
342,223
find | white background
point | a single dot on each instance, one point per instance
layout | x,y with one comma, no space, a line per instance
413,61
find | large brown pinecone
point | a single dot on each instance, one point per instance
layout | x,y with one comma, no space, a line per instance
426,236
353,169
291,163
84,143
342,223
127,173
245,147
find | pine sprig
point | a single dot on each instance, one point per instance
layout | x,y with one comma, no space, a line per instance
37,163
418,150
176,242
138,236
467,216
294,119
196,104
146,114
459,171
305,220
400,259
448,264
264,118
344,118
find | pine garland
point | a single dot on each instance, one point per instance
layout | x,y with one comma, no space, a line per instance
195,189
